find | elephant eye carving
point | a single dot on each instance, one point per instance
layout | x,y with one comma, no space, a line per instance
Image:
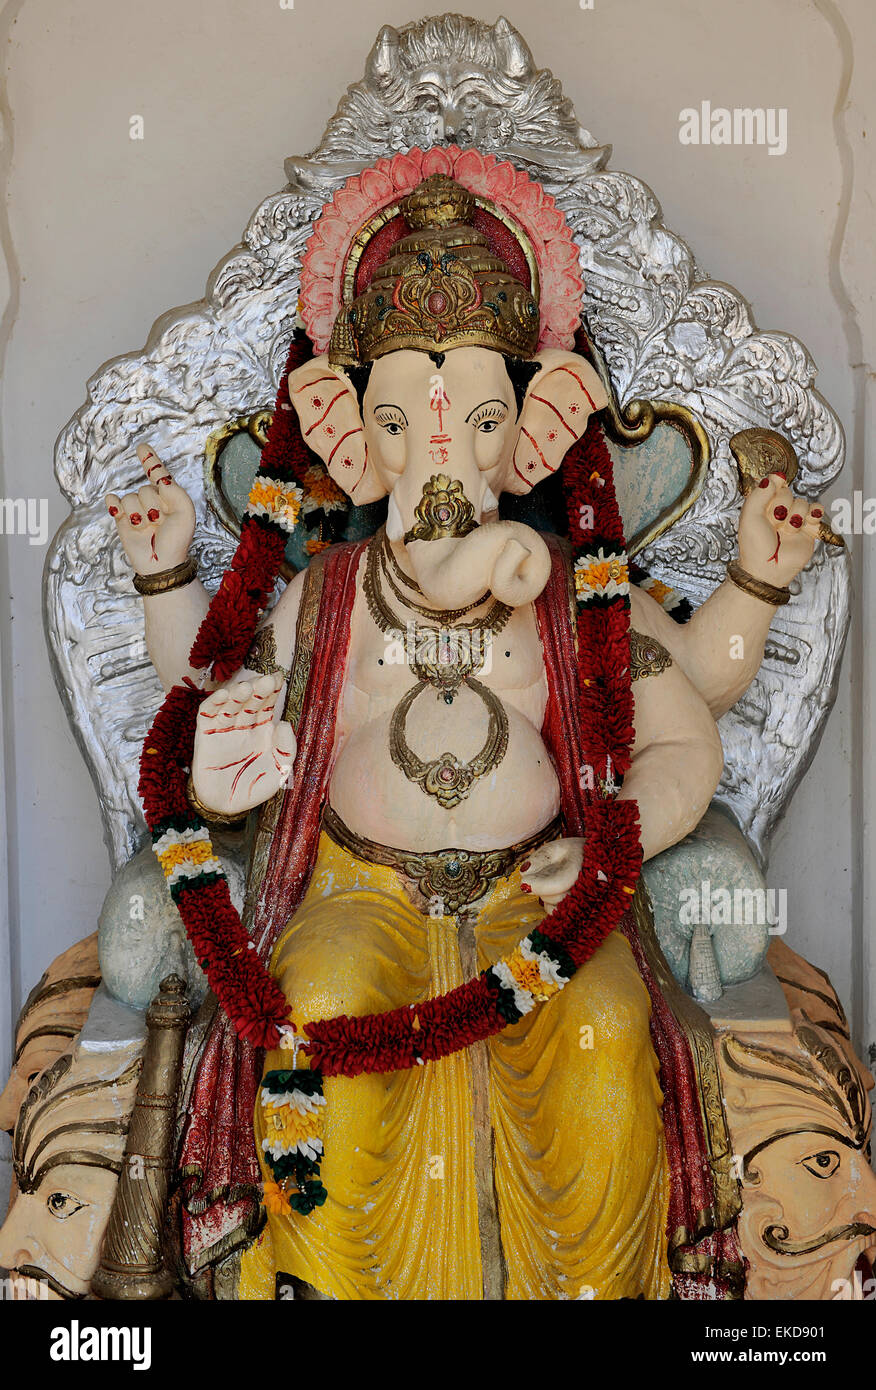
391,418
487,417
823,1164
62,1205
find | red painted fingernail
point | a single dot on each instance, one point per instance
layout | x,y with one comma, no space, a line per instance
764,482
135,518
525,865
816,511
779,474
167,481
113,511
525,888
152,514
797,521
780,513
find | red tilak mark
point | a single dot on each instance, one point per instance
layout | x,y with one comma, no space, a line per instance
552,407
240,728
441,439
580,383
249,762
307,385
440,403
524,430
324,413
341,440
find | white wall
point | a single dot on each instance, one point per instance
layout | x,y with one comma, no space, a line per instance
104,233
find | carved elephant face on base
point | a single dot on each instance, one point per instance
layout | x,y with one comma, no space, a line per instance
800,1121
486,423
68,1149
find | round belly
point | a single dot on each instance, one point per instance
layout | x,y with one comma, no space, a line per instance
375,797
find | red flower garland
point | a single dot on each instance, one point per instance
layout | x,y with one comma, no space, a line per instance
575,928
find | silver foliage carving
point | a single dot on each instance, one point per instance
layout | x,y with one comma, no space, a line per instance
665,332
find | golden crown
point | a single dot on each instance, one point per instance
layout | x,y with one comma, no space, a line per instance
441,288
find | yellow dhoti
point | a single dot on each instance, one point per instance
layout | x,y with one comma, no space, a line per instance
581,1180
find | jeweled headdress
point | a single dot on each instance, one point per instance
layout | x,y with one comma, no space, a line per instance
441,288
438,248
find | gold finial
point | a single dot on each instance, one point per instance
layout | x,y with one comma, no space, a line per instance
438,201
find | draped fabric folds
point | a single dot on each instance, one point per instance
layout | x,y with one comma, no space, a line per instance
218,1158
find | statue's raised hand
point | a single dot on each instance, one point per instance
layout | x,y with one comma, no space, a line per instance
156,524
777,531
241,756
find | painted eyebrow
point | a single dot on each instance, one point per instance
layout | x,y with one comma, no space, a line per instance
495,401
388,405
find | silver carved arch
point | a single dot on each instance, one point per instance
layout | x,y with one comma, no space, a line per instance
665,332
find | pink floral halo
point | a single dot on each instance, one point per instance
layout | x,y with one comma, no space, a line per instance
513,192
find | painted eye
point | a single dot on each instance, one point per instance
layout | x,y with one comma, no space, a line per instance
62,1205
391,418
823,1164
487,426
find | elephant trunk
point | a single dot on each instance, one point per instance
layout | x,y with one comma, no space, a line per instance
505,558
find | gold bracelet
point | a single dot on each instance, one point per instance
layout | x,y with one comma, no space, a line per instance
166,580
758,588
218,818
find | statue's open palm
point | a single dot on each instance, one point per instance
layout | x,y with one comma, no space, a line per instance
241,756
156,524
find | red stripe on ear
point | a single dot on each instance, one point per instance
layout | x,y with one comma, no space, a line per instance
559,416
333,401
524,430
580,383
341,440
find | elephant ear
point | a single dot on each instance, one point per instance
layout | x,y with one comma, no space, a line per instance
331,425
559,402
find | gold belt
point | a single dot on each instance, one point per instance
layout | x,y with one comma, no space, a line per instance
449,879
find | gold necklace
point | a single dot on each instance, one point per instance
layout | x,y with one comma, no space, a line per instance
444,658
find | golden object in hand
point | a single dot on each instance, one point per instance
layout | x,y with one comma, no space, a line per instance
758,453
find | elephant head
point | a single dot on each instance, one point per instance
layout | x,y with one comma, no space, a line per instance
443,434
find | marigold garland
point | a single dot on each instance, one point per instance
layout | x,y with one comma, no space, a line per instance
542,963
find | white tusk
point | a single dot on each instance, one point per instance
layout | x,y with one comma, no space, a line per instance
395,527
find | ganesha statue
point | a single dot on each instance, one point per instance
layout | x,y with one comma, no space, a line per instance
442,1055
